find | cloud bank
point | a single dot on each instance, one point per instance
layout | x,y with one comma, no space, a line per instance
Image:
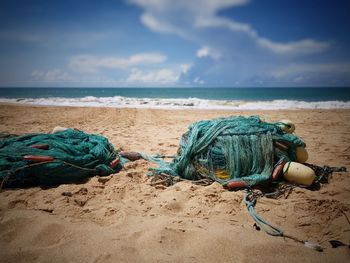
233,53
181,16
173,43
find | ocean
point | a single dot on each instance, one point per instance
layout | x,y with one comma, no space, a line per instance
180,98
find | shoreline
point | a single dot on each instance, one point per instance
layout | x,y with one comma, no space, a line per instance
185,108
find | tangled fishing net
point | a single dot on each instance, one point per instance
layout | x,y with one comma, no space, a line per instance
75,156
231,149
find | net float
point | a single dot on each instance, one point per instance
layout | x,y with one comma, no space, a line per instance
59,129
114,163
298,173
132,156
277,170
235,185
301,154
40,146
38,158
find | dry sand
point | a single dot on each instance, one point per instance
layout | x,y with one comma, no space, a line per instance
124,219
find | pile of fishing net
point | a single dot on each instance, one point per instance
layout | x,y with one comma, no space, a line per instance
241,150
50,159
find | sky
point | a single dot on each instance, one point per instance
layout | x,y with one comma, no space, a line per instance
178,43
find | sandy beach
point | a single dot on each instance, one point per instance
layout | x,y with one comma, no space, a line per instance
122,218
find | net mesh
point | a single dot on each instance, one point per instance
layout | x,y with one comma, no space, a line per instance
231,149
77,155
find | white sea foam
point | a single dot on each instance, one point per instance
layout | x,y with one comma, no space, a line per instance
190,103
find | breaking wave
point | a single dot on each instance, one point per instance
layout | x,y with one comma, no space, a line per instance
190,103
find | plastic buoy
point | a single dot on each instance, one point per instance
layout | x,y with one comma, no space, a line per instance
287,126
40,146
58,129
277,170
114,163
298,173
236,185
301,154
38,158
132,156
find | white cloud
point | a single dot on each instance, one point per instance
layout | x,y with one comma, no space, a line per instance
318,68
160,26
203,52
142,68
200,6
135,76
87,63
67,78
52,75
181,16
198,80
185,68
146,58
206,51
305,46
159,76
161,15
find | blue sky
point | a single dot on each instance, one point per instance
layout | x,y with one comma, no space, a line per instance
163,43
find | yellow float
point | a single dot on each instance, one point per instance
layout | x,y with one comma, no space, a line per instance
298,173
301,154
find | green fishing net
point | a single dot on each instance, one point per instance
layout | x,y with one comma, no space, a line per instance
76,156
231,149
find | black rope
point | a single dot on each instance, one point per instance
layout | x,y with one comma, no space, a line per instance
324,173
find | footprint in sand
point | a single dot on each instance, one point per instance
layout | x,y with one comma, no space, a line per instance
13,228
49,235
17,204
103,258
174,206
172,238
120,254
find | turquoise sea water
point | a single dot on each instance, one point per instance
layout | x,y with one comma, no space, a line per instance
251,94
212,98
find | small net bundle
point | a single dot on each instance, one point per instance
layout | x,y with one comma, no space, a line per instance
231,149
75,156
